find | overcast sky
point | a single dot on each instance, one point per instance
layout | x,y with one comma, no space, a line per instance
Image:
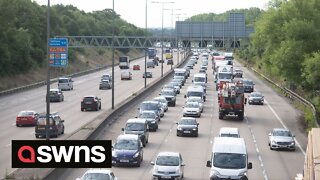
134,11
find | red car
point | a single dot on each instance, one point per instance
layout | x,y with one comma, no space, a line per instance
25,118
136,67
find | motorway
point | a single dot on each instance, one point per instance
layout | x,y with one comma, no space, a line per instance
259,120
69,109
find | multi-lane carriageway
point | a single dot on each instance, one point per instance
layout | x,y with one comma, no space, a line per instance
259,120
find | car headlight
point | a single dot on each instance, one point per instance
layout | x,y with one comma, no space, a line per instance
292,143
214,173
114,154
136,154
274,142
244,173
179,128
194,129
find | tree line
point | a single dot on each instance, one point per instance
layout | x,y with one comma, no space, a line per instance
23,31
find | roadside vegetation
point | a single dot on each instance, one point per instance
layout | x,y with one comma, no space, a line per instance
23,39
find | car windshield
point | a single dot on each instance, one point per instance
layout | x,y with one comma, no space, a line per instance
229,160
170,93
175,83
247,82
188,122
256,95
42,121
161,100
194,93
225,76
88,99
194,100
134,127
229,135
148,115
192,105
26,113
167,161
149,106
282,133
95,176
126,144
199,79
63,80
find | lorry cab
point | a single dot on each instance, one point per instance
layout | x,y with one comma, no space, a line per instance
124,62
229,159
224,74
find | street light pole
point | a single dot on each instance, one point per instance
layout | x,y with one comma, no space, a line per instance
113,54
48,75
146,49
162,60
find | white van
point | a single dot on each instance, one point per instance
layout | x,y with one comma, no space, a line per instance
181,72
65,83
197,91
126,74
200,79
229,159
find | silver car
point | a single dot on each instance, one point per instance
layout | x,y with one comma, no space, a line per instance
281,138
168,165
256,98
105,84
163,101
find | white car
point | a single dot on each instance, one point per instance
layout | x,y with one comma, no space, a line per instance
98,174
168,165
281,138
163,101
196,99
191,109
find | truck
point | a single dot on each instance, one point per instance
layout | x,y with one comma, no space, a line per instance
124,62
152,53
168,54
224,74
231,99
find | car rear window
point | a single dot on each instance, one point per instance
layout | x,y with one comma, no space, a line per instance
63,80
26,113
88,99
42,121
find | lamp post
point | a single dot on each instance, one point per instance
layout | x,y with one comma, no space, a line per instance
162,3
112,106
172,25
146,49
48,76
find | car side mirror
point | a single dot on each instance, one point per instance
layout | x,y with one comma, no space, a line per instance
197,123
185,96
245,100
177,123
62,121
192,81
269,134
122,129
208,164
152,163
249,165
183,164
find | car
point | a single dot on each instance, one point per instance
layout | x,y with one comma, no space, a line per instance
256,98
127,150
147,74
56,125
91,102
163,101
176,86
281,138
248,85
139,127
150,63
168,165
169,61
178,82
191,109
170,96
229,132
152,119
196,99
136,67
153,106
105,84
238,73
106,76
126,74
98,174
171,87
187,126
56,95
27,118
65,83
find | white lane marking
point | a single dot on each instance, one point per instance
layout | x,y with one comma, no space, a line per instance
257,149
280,120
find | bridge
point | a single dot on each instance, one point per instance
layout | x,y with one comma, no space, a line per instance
228,34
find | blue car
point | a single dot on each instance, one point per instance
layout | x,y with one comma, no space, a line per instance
127,151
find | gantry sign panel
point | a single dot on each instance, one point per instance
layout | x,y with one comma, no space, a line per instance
232,30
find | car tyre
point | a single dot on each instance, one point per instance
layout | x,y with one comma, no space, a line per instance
37,136
82,109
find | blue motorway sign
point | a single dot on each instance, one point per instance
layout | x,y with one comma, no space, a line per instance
58,52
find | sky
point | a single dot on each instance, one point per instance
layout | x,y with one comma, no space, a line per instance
134,11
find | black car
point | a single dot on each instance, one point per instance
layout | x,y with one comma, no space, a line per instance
248,85
187,126
56,126
147,74
90,103
152,119
170,96
56,95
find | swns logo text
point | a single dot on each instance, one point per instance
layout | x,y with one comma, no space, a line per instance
61,154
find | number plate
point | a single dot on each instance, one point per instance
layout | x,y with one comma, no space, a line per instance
124,160
166,177
186,131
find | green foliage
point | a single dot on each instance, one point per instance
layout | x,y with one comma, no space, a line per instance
23,31
311,70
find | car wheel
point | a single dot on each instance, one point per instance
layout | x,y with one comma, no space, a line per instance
62,131
271,148
37,136
82,109
100,106
97,108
